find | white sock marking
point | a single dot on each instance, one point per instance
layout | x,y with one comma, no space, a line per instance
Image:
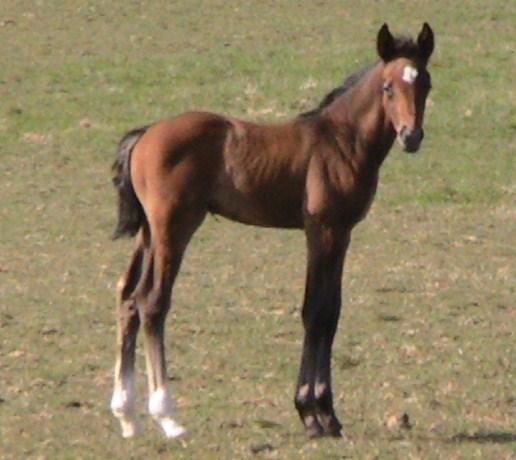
319,389
171,428
309,419
119,401
160,403
122,408
303,392
161,408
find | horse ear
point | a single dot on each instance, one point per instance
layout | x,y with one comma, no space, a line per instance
385,43
425,41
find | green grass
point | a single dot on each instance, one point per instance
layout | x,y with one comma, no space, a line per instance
429,309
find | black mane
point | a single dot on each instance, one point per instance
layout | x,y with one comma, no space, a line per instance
348,83
403,47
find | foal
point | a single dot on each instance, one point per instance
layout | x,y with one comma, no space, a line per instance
318,172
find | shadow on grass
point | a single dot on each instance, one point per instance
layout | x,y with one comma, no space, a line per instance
496,437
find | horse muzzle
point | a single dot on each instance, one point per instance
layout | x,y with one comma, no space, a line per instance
410,139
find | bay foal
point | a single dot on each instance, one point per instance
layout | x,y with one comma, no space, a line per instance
318,172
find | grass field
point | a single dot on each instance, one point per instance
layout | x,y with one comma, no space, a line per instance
428,325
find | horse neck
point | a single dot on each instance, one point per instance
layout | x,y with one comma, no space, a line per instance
360,124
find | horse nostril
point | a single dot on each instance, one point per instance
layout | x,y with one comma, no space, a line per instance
410,138
411,135
416,135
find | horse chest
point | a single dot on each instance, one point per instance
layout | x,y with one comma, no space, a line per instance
358,203
337,192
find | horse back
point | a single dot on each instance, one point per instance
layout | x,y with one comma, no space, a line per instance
263,178
257,174
251,173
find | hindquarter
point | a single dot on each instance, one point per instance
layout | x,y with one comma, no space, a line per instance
177,160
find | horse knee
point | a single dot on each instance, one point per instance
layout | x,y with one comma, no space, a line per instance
152,315
127,308
154,306
124,290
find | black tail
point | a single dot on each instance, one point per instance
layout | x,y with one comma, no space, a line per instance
130,212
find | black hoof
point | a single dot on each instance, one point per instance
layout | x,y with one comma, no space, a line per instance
313,427
314,432
334,433
331,425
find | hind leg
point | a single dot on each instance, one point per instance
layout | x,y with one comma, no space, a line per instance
128,322
171,231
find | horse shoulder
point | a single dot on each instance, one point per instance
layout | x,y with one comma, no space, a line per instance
317,195
335,187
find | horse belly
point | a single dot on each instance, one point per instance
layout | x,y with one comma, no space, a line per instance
266,206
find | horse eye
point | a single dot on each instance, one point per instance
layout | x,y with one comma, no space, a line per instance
387,88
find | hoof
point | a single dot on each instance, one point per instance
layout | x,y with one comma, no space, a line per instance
313,427
314,432
334,433
171,428
331,426
130,428
122,408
